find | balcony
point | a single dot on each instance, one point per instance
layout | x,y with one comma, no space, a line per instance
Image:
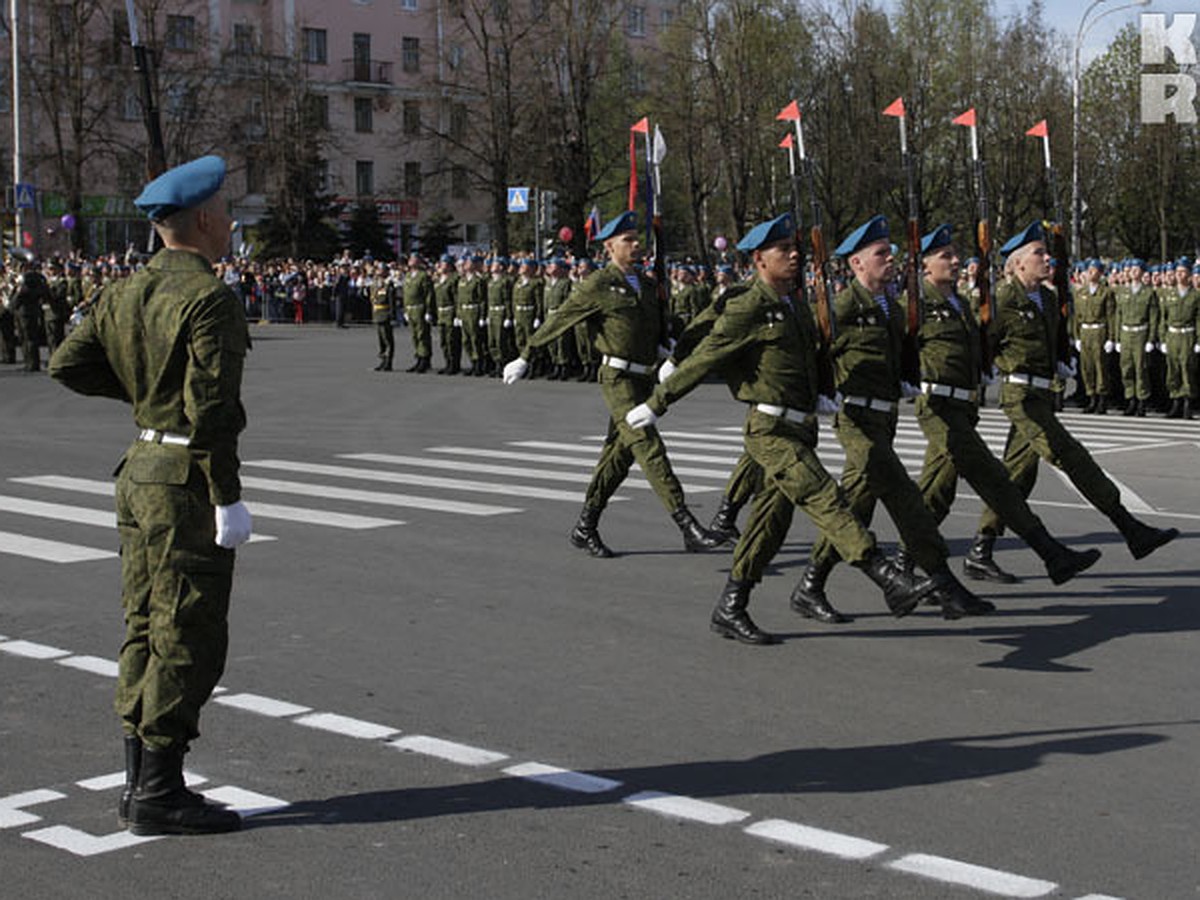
367,71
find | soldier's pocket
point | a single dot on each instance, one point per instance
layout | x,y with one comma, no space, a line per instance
203,586
158,465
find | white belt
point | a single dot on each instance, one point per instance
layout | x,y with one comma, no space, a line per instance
1036,381
782,412
524,307
163,437
888,406
615,362
1092,325
1183,329
947,390
1134,327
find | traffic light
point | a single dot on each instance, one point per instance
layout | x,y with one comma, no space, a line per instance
546,210
547,248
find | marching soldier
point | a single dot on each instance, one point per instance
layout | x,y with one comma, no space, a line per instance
1179,311
621,304
419,310
450,332
1136,327
1095,309
499,316
383,314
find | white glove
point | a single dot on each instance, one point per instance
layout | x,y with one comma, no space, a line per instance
403,319
665,370
1066,371
233,525
1118,346
1196,348
1160,347
1078,344
1149,346
828,406
908,391
641,416
458,323
515,370
508,323
537,323
665,350
1109,346
482,323
428,317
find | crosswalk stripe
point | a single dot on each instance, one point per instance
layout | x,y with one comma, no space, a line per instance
487,469
378,497
551,459
80,515
49,551
308,516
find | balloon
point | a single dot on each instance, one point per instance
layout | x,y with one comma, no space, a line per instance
565,234
67,222
26,239
720,243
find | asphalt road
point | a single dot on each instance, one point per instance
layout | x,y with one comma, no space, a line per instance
394,673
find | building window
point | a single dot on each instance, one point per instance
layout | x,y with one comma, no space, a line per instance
181,102
668,16
364,115
454,56
458,121
412,179
181,32
410,54
322,176
243,39
316,111
459,183
635,21
315,50
255,175
364,178
635,78
412,117
362,56
131,105
131,172
120,39
408,4
64,18
455,8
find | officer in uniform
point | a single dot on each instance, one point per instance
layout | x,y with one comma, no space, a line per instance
869,330
419,309
1179,319
499,316
947,410
558,287
1022,334
527,310
1136,327
171,340
383,315
472,314
445,294
621,304
1095,311
589,359
764,345
30,293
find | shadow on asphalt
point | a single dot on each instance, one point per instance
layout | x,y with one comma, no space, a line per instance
834,770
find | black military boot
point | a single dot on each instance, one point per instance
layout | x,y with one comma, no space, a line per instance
586,536
1187,407
423,365
901,592
1062,563
1131,407
1101,404
979,565
416,366
162,804
1140,409
1142,539
695,537
1090,406
730,619
905,563
1176,410
954,598
133,771
724,523
808,597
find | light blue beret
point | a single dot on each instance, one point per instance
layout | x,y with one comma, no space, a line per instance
936,239
626,221
1032,233
767,233
182,187
875,229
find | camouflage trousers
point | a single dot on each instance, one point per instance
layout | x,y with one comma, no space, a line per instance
420,331
1135,364
1181,364
175,585
1093,367
745,481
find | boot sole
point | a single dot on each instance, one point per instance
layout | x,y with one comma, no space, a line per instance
1163,539
152,830
976,574
582,545
834,618
1090,558
731,634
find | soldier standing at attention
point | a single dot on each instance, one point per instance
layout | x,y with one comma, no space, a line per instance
171,340
445,293
557,289
1179,311
1095,310
419,308
499,316
1023,334
588,357
472,313
951,355
1136,326
870,329
764,345
621,304
527,309
383,315
57,310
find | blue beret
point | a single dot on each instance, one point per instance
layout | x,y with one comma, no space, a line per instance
182,187
525,261
973,259
1033,233
447,258
1183,263
936,239
872,230
626,221
725,270
767,233
1137,263
587,262
476,258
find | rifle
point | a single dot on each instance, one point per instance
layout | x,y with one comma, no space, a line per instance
657,154
983,247
910,355
156,151
1058,249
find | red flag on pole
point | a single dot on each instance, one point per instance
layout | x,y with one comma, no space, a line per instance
788,142
967,118
790,113
896,109
1041,129
641,126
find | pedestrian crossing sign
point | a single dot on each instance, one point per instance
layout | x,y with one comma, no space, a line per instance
23,195
518,199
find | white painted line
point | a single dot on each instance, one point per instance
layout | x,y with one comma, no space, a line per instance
427,481
50,551
103,782
565,779
347,726
12,814
796,835
264,706
1099,897
382,498
689,808
245,803
80,843
588,462
323,517
94,664
449,750
512,471
67,483
951,871
60,512
3,638
32,650
194,779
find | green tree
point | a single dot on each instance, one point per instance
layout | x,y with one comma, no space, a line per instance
437,233
367,233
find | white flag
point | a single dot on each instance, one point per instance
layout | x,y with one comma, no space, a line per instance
660,146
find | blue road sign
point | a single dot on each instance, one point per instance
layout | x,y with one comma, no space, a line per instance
23,196
518,199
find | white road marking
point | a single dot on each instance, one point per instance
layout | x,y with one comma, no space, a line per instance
806,837
680,807
323,517
566,779
264,706
61,512
94,664
245,803
12,807
356,728
951,871
1099,897
80,843
32,650
377,497
50,551
103,782
448,750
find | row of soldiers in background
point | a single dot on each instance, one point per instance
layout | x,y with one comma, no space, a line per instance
36,303
485,311
1135,331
